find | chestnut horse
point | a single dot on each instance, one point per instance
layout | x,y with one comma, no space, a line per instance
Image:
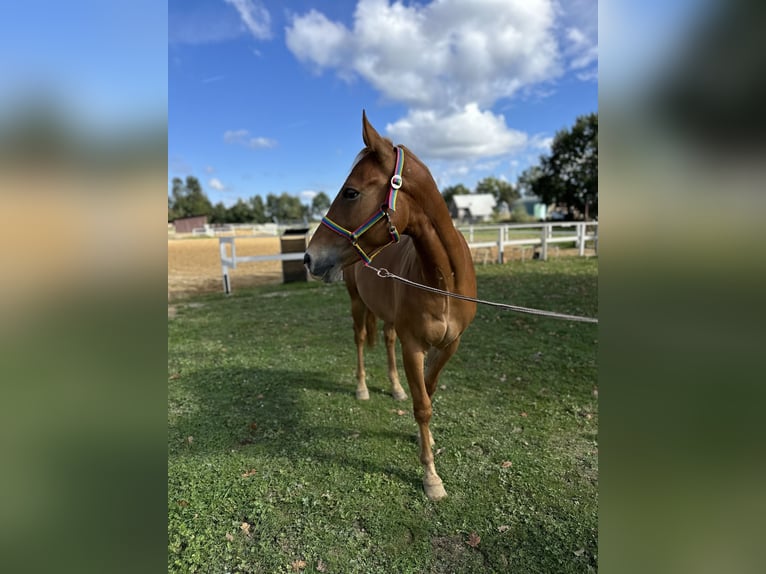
389,208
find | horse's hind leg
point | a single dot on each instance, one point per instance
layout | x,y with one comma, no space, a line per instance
421,406
393,375
436,360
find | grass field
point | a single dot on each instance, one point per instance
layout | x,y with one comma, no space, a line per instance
273,466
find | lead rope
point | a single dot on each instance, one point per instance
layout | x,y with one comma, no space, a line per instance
386,274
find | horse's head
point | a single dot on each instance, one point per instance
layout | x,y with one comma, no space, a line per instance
366,215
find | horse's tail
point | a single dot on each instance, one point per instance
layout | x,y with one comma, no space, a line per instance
371,326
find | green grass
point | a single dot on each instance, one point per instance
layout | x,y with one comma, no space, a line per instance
264,429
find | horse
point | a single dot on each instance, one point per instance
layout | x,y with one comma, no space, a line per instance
389,209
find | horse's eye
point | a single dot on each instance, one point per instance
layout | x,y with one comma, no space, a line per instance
350,193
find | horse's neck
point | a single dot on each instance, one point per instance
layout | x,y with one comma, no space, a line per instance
438,243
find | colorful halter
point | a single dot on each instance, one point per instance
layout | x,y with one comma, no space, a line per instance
383,213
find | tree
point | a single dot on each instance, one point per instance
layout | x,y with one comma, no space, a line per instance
188,200
171,212
320,204
219,213
453,190
501,190
240,212
569,175
526,180
284,207
257,209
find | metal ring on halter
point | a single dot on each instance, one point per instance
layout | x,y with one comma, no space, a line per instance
396,181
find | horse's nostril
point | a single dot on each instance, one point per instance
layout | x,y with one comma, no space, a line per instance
307,260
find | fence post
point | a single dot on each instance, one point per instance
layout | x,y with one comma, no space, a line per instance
595,240
470,233
544,242
581,238
225,267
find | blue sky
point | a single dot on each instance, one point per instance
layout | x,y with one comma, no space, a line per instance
266,96
102,63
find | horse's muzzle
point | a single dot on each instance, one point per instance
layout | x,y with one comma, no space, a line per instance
328,270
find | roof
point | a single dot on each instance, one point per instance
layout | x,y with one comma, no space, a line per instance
480,204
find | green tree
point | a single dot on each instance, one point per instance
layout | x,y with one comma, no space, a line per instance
449,192
569,175
526,180
284,207
501,190
188,199
320,204
240,212
219,213
171,212
258,209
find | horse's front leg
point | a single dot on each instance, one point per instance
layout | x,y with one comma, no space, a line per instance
393,375
359,314
421,405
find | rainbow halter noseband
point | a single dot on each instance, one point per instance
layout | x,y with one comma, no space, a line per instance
390,205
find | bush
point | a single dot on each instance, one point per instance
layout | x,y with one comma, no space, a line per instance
520,215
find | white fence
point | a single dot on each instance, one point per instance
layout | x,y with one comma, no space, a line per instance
543,235
536,235
230,260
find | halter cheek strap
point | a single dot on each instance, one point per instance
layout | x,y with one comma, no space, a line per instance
382,213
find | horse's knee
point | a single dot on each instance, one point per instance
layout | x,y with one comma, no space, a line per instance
423,414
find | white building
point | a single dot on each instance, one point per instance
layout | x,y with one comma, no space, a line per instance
472,207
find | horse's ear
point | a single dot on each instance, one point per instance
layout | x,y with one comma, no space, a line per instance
383,147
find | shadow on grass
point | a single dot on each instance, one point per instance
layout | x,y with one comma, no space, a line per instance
300,415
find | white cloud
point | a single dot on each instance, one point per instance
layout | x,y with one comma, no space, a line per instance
255,17
445,53
464,134
261,142
583,54
216,184
447,61
242,137
236,136
315,39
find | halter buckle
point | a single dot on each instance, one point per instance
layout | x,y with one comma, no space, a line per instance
396,181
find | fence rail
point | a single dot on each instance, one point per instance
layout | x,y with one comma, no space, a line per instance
538,234
230,260
547,234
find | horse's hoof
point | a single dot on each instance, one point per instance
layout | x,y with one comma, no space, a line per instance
399,395
363,395
435,491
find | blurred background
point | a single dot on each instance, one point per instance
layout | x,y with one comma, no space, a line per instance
681,88
83,164
83,171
